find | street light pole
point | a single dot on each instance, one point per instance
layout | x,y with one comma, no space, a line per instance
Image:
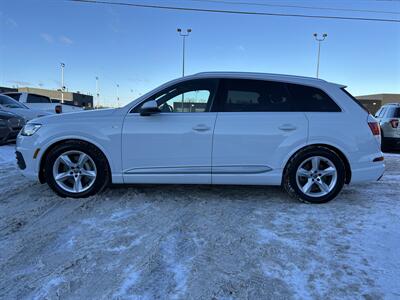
183,35
62,82
117,95
319,40
97,92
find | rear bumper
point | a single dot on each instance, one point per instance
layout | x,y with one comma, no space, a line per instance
372,172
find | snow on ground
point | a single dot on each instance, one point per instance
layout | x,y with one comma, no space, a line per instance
187,242
7,154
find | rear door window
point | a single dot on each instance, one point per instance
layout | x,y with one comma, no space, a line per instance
245,95
32,98
395,112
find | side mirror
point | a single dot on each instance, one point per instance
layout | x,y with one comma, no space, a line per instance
58,109
149,108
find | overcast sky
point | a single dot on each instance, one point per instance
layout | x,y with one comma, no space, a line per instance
139,48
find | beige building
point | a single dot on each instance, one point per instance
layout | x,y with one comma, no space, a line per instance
374,102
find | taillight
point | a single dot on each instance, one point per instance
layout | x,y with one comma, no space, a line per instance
394,123
375,129
58,109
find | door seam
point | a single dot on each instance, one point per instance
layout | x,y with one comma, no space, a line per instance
212,147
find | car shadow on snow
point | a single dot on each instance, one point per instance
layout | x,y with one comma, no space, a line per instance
274,195
204,192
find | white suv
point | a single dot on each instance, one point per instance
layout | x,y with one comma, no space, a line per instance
306,134
389,118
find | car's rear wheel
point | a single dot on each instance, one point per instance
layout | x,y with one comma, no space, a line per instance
76,169
314,175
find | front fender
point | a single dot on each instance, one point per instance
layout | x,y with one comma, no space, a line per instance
108,142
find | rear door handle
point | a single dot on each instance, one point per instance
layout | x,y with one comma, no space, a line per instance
201,127
287,127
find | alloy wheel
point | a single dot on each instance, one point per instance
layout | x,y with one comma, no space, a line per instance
316,176
74,171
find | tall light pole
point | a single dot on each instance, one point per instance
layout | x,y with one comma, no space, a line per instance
319,40
117,95
62,82
97,92
183,35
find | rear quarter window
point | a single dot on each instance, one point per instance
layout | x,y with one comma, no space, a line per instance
355,100
311,99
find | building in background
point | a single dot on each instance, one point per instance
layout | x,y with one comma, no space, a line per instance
77,98
375,101
4,89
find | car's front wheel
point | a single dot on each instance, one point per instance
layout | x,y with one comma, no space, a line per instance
314,175
76,169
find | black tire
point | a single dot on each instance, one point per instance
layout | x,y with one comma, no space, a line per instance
103,172
289,179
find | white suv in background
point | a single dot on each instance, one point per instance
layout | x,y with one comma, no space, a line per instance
306,134
389,118
41,102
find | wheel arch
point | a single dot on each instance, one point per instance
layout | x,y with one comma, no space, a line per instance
42,177
330,147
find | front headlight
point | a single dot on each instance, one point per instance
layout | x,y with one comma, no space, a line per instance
30,129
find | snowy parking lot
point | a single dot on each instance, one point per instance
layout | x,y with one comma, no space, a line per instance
198,242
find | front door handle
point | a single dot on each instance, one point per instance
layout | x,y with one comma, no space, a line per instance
201,127
287,127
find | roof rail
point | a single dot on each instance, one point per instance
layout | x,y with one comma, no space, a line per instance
257,74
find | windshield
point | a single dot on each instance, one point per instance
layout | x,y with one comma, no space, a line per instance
9,102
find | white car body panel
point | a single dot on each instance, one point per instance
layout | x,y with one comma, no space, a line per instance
107,137
168,148
250,146
229,148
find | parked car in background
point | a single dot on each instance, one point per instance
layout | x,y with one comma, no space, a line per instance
42,102
306,134
10,126
9,104
389,118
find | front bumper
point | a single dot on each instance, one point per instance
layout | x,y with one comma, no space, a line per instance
20,160
25,147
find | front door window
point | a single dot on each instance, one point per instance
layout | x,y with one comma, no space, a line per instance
186,97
